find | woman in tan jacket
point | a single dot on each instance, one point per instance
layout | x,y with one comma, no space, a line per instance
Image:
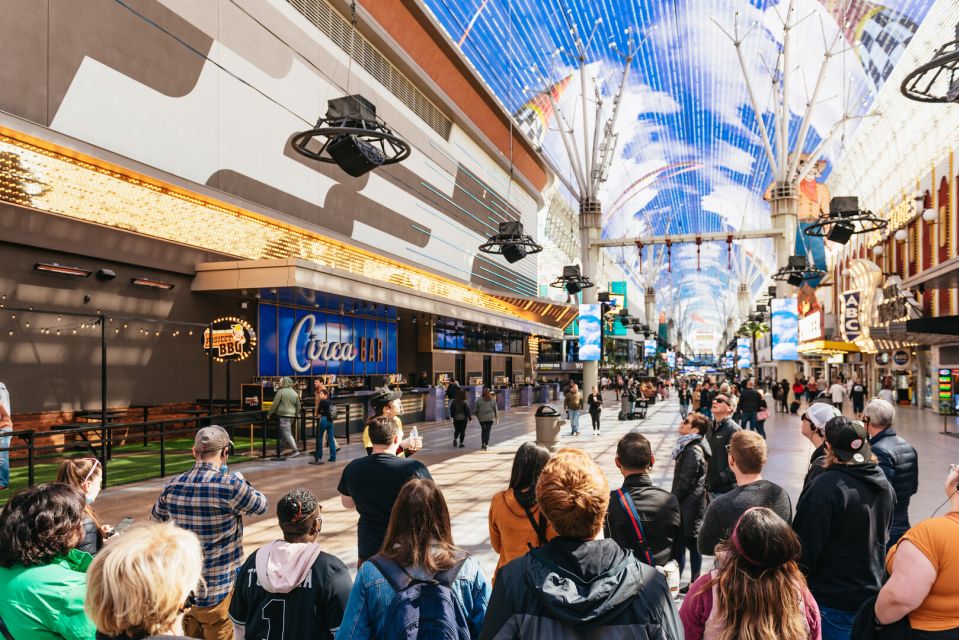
515,521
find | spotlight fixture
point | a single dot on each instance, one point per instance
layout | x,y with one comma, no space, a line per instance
938,79
106,274
62,270
797,271
572,280
351,137
602,296
511,242
844,220
151,283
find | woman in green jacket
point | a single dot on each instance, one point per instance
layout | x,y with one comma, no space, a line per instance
42,576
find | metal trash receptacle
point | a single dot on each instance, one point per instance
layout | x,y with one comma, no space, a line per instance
549,427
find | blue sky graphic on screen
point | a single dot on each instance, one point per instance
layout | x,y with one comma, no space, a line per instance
743,354
785,329
590,332
689,157
649,348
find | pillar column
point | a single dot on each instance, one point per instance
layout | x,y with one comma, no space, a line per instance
590,221
784,209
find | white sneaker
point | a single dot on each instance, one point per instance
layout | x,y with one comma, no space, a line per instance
294,454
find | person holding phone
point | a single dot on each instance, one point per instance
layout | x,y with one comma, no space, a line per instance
86,475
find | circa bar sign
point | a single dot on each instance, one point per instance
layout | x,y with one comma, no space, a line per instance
296,341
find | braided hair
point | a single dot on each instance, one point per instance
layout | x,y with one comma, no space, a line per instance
297,511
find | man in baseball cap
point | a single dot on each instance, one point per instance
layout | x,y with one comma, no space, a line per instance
211,502
842,519
813,426
848,440
212,438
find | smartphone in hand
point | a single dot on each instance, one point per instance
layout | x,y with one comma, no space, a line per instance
122,526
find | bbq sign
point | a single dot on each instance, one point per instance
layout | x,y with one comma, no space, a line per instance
232,339
297,341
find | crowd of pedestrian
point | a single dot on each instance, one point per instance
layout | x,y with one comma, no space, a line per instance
577,558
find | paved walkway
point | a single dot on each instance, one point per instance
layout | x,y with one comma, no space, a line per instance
469,477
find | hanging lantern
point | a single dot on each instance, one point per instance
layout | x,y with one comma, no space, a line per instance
729,251
669,255
699,244
639,246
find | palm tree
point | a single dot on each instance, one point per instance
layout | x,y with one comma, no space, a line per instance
752,330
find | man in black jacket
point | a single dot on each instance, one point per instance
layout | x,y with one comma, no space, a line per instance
719,477
750,401
897,459
659,520
705,400
578,585
842,520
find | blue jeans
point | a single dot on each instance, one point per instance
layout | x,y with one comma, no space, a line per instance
4,461
574,419
326,426
836,624
684,410
706,411
751,421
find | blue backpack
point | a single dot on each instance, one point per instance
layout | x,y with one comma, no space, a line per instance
424,609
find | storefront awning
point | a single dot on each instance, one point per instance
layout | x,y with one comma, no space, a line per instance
294,279
924,331
826,347
944,275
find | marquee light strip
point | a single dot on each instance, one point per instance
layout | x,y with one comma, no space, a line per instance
101,194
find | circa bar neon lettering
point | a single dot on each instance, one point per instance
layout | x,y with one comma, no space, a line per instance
316,349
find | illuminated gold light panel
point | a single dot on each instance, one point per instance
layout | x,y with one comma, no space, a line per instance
56,183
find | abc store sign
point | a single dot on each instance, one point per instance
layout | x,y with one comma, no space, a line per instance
304,342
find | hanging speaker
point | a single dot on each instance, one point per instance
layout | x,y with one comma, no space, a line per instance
841,232
513,252
354,156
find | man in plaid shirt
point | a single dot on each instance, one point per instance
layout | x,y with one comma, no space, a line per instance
211,503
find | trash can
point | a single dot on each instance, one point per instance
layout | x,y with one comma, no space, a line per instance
549,426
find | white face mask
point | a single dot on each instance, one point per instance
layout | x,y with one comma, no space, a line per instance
91,497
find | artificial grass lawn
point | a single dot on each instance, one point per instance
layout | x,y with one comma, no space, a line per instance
132,462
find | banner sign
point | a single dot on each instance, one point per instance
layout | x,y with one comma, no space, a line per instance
849,309
743,354
785,329
671,359
810,327
302,342
649,348
728,360
233,339
590,332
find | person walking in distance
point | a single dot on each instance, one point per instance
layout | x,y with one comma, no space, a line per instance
286,406
706,400
898,460
573,403
324,412
6,426
461,415
211,503
689,486
719,477
750,403
857,393
595,402
486,413
642,517
842,520
837,393
685,399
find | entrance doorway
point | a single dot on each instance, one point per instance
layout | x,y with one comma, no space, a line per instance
487,371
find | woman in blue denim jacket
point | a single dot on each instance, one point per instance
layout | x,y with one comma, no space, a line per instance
420,540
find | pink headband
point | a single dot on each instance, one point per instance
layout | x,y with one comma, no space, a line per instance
734,538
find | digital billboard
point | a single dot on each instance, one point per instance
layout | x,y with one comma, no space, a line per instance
590,332
785,329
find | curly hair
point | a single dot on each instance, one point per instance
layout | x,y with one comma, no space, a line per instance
40,524
297,511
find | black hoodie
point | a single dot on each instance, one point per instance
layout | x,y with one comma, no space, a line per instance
842,520
571,589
